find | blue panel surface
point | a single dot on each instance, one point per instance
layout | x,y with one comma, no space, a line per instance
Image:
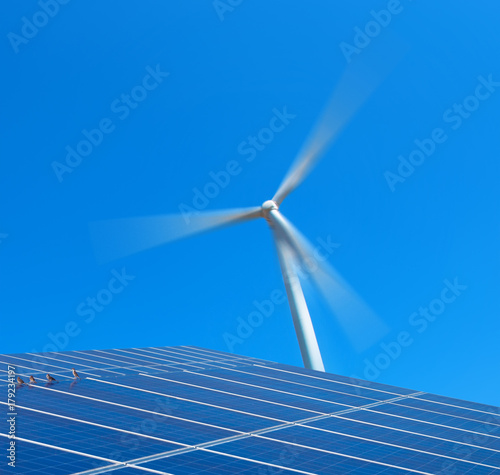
187,410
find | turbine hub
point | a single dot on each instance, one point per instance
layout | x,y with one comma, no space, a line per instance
268,206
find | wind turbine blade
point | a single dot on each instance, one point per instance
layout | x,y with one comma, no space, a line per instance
362,326
360,79
118,238
304,330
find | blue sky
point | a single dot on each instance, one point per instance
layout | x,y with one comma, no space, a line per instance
408,237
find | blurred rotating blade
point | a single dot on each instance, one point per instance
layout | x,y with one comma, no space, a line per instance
362,76
116,238
362,326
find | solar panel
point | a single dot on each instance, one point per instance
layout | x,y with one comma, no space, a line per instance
187,410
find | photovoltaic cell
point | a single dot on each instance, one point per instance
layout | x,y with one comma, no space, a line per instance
406,439
35,459
188,410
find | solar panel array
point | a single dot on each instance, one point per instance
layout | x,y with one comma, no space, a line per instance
187,410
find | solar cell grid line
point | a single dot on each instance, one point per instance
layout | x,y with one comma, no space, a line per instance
48,461
91,438
439,419
126,357
319,461
191,352
318,383
162,456
127,362
207,461
202,447
260,387
198,359
105,365
428,450
380,433
159,358
169,367
119,471
297,372
289,377
197,402
205,415
189,410
58,367
208,388
407,459
33,370
39,373
71,364
443,408
460,403
128,366
221,354
410,427
214,355
183,358
75,452
424,427
146,357
162,356
473,417
132,408
81,457
335,378
282,383
172,355
478,427
92,354
255,392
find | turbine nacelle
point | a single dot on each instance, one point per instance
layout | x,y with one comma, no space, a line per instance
268,206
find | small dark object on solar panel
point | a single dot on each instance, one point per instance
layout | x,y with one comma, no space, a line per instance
32,380
19,380
75,374
50,378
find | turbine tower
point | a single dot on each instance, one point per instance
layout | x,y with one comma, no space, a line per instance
121,237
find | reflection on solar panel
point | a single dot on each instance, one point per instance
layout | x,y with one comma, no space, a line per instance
186,410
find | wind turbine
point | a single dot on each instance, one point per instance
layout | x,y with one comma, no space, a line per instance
121,237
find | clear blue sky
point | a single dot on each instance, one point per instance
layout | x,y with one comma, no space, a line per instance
229,67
